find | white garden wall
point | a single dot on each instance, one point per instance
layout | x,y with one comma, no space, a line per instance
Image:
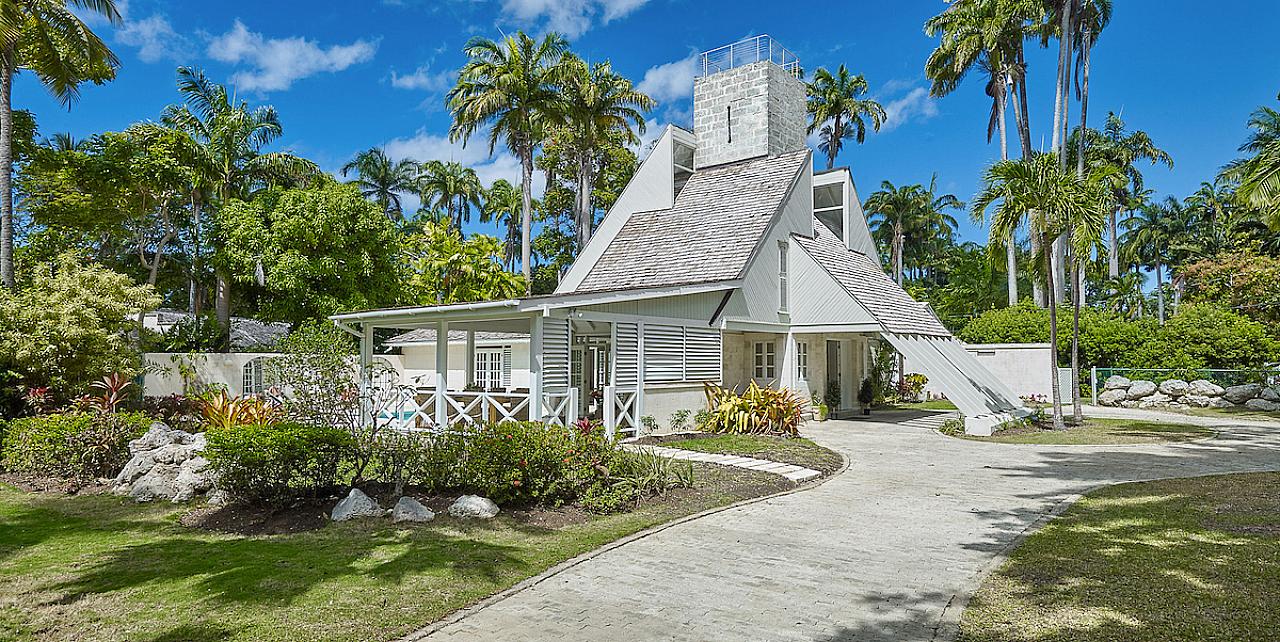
1024,367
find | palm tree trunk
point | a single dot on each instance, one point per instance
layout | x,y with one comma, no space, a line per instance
897,254
1160,292
1113,244
1054,388
1011,253
223,304
526,221
1037,288
1077,413
1060,85
1084,98
6,174
833,146
1024,129
584,202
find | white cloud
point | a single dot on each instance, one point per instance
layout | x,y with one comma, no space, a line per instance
277,62
424,146
670,81
916,105
569,17
154,37
423,78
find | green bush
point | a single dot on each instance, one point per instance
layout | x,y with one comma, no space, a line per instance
531,462
278,461
634,477
79,445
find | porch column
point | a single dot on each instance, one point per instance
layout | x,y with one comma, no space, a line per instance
535,369
469,378
787,377
639,403
366,377
442,374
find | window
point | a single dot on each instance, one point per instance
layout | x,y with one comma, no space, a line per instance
802,360
782,276
488,368
765,360
253,376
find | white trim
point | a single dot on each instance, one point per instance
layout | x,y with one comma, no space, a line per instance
367,315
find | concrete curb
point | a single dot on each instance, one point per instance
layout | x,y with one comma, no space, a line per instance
464,612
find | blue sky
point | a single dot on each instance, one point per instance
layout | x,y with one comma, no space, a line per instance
345,79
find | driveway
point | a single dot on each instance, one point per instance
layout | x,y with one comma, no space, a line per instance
888,550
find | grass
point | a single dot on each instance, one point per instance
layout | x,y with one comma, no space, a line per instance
1099,432
932,404
103,568
795,450
1188,559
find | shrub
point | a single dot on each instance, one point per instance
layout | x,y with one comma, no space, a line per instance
680,420
531,462
634,477
1206,336
953,427
756,411
867,393
176,411
221,410
912,386
78,445
276,461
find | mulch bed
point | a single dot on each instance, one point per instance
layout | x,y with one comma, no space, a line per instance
56,485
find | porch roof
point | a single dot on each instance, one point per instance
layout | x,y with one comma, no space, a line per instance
428,336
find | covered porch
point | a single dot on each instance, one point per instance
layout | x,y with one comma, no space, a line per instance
817,362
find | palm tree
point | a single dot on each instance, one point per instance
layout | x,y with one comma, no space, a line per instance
512,87
502,206
47,38
230,137
1124,295
1149,234
837,109
382,180
1091,17
1259,174
1084,234
597,102
451,187
1053,198
891,211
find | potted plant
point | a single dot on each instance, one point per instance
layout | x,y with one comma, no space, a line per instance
820,409
866,395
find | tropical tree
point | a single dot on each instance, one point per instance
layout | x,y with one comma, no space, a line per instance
1051,198
231,164
1124,295
511,87
1259,174
911,212
597,103
49,39
451,187
1084,231
383,180
838,111
442,268
1149,234
502,206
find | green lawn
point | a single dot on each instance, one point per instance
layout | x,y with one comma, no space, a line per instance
102,568
797,451
933,404
1099,431
1194,559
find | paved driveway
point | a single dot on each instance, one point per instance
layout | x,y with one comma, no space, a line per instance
888,550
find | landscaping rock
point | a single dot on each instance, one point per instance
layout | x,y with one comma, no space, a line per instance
166,464
194,478
473,506
1205,388
1128,403
409,509
218,498
1270,394
1241,394
1140,388
159,435
1174,387
159,483
1112,397
1262,405
1155,400
1116,382
1220,402
1197,401
355,505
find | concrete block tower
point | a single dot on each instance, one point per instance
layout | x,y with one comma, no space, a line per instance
748,102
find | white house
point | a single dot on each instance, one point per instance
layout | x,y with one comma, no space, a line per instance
727,258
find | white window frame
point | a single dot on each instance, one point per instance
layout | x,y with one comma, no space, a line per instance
765,360
253,380
783,285
488,368
802,360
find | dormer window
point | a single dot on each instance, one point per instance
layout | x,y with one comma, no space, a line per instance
828,206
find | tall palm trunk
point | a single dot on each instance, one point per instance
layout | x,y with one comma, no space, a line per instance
526,215
833,146
1055,389
6,172
223,303
1024,129
585,214
1061,99
1010,247
897,252
1160,292
1113,244
1077,413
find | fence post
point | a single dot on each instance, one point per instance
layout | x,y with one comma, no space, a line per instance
1093,383
610,411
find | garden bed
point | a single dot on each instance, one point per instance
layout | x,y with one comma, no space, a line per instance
787,450
1167,560
1097,432
103,567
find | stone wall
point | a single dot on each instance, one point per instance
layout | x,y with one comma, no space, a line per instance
1176,393
749,111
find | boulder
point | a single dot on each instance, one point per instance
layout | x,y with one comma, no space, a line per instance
1205,388
1270,394
1241,394
1154,400
1140,388
194,478
158,483
218,498
1197,401
1262,405
1116,382
1174,387
1220,402
1128,403
1112,397
355,505
475,506
408,509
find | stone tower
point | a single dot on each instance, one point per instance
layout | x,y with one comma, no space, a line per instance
748,102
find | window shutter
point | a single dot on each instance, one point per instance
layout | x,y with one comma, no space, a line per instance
555,354
702,354
506,366
663,353
626,364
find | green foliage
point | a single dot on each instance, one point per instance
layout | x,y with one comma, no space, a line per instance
442,267
634,477
1244,281
276,461
680,420
307,253
911,386
78,445
525,462
191,334
867,392
71,325
758,410
953,427
1205,336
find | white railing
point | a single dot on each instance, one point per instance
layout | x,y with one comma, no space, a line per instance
414,409
749,51
620,411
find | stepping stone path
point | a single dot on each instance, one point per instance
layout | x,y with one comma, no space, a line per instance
790,471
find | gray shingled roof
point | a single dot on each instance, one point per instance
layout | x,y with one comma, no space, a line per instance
709,235
863,277
428,335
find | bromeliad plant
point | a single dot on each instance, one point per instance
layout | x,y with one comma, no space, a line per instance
757,411
221,410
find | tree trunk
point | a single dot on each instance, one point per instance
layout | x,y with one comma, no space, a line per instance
6,174
1024,131
1060,85
1037,288
1084,98
223,304
585,214
193,302
526,221
1011,252
1077,413
1113,245
833,146
1160,292
1054,388
897,254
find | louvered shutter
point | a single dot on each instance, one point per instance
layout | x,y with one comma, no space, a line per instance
702,355
626,362
555,354
506,367
663,353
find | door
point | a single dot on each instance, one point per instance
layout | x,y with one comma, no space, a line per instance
835,384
